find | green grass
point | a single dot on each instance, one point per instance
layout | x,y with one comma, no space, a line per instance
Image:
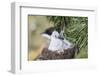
83,53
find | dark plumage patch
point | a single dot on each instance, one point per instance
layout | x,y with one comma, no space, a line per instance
49,30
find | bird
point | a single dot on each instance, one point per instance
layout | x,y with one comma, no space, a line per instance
57,41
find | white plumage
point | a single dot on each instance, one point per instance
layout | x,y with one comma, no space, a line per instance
57,44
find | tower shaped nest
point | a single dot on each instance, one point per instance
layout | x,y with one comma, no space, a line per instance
52,55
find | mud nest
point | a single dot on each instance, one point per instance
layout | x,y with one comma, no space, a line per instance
66,54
